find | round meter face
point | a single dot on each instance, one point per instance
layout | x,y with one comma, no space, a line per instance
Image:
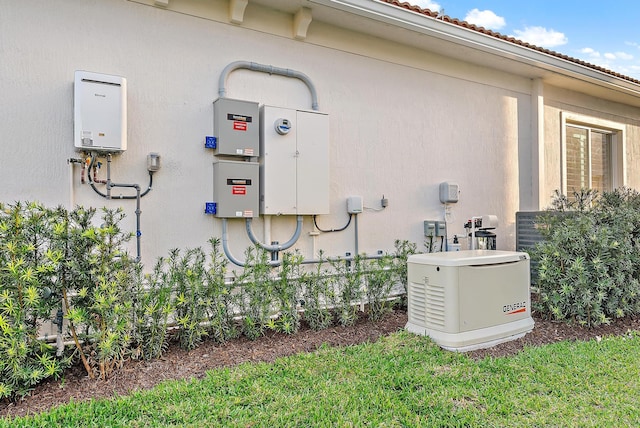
283,126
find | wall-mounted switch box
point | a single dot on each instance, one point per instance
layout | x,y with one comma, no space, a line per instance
235,189
429,228
236,127
449,192
441,229
354,204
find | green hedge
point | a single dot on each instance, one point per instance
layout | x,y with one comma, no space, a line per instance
589,262
54,260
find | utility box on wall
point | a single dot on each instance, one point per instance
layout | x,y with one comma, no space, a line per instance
236,127
235,189
294,167
99,112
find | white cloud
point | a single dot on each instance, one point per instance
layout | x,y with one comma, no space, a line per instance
485,18
623,55
590,52
427,4
540,36
618,55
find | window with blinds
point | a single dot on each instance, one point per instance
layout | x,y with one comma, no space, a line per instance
589,155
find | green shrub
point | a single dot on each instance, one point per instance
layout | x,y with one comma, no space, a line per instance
187,278
153,306
318,295
589,262
379,277
27,291
219,298
286,295
101,306
403,249
254,286
348,283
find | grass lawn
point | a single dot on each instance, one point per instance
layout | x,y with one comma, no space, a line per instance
401,380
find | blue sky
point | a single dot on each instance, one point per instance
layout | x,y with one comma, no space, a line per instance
602,33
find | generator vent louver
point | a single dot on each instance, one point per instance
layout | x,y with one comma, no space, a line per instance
418,302
435,305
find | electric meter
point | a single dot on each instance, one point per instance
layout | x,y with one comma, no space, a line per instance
283,126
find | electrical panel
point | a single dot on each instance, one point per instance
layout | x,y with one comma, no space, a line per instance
236,126
99,112
449,192
294,166
236,188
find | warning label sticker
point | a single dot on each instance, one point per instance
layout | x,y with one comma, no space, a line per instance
239,126
238,190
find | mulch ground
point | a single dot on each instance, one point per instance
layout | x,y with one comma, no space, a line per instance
179,364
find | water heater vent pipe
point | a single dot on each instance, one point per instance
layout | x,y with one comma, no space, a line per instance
254,66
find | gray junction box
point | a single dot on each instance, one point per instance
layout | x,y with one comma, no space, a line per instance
236,125
236,189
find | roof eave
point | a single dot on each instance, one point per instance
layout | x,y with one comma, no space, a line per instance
420,23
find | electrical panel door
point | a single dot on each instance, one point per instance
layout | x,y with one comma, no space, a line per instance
294,167
312,191
278,163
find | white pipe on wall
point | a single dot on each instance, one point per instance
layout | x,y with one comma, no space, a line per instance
72,199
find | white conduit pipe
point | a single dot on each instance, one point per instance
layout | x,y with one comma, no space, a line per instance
227,252
232,259
225,245
72,199
281,247
253,66
267,229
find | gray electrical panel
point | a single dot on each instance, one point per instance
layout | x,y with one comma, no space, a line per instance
236,126
236,189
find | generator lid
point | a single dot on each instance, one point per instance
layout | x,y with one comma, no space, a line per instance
468,258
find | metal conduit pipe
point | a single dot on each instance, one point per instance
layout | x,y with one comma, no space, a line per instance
253,66
280,247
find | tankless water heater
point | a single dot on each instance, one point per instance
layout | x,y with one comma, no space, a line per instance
100,112
467,300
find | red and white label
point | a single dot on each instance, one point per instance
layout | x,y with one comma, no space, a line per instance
239,126
238,190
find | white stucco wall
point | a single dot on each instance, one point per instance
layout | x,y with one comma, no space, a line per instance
401,120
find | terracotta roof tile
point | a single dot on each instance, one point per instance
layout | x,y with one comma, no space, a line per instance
509,39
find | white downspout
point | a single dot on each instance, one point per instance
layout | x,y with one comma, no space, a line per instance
539,199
